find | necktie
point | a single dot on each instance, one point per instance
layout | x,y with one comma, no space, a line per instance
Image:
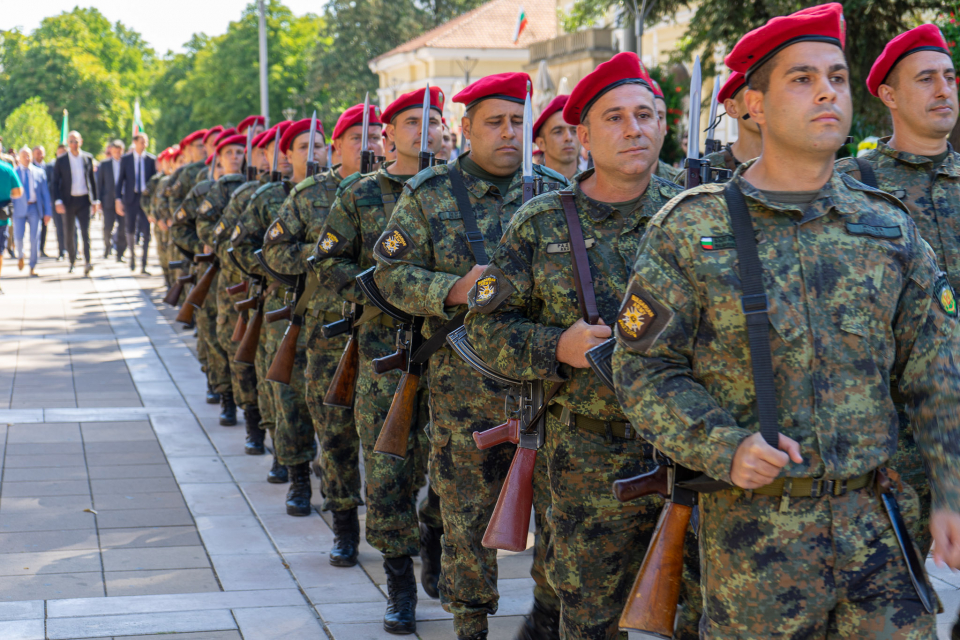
137,174
26,182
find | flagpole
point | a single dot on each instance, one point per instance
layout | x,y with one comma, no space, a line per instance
264,97
63,128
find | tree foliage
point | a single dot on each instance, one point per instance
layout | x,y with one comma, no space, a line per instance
30,124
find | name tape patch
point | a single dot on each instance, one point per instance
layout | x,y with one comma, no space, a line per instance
884,233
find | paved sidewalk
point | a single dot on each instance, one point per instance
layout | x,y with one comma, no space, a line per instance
127,512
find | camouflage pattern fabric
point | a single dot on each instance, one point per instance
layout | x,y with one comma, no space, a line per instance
521,304
932,196
855,295
166,251
147,203
421,254
723,159
670,173
288,242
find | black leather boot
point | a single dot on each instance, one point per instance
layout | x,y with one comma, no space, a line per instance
228,410
212,396
955,633
255,435
299,494
430,552
346,538
480,635
401,615
543,623
278,473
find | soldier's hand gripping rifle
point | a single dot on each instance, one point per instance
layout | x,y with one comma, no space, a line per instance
427,157
247,350
699,171
198,294
176,289
282,368
291,283
343,385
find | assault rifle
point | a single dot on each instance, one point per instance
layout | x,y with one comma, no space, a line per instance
281,370
198,294
343,385
699,171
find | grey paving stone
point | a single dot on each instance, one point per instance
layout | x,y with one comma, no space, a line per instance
35,433
22,610
133,485
125,459
124,446
12,505
141,583
42,474
501,628
172,536
202,635
22,630
42,562
45,448
116,605
244,572
315,570
214,499
130,471
114,402
159,500
155,558
30,541
233,535
279,623
58,460
365,631
52,586
47,520
334,593
142,518
46,488
140,624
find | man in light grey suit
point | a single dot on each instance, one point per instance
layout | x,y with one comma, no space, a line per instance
32,208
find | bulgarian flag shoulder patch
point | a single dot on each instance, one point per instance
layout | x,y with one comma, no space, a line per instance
521,25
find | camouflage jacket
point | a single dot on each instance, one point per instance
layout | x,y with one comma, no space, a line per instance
209,225
670,173
424,249
247,234
181,182
239,200
527,297
854,294
147,198
183,231
159,202
932,196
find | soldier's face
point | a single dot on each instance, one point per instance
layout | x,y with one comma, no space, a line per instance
210,146
231,157
197,151
495,133
350,144
922,94
558,140
807,108
260,159
622,131
661,115
298,153
405,133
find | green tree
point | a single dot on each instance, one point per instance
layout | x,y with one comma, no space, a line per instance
30,124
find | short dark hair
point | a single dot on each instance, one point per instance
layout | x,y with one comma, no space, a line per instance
759,80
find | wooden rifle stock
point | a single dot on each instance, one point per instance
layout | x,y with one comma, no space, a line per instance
204,257
248,345
643,485
237,289
509,431
246,305
190,278
395,432
397,360
343,385
281,370
510,521
198,294
240,328
652,605
278,314
173,294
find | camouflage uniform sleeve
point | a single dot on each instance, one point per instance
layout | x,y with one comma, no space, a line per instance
283,245
208,213
183,232
247,235
501,303
928,368
339,248
653,367
405,262
848,166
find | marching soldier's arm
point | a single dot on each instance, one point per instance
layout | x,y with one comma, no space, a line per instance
653,368
284,242
339,248
405,263
247,236
184,229
209,213
928,369
498,324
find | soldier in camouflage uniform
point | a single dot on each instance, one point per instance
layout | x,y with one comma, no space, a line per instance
287,407
747,144
183,233
297,230
355,222
557,139
853,294
147,202
925,176
426,267
525,321
664,169
166,250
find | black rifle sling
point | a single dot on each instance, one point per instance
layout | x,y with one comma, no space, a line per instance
581,263
474,237
755,307
439,339
867,176
388,195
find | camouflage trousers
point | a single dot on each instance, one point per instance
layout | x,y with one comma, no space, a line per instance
824,567
468,482
908,463
294,440
335,429
216,367
599,542
163,253
266,350
243,378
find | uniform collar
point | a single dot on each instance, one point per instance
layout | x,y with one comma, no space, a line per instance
390,176
479,188
599,211
835,194
949,167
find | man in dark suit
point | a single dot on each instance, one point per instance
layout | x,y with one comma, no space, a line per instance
108,176
38,156
136,169
75,194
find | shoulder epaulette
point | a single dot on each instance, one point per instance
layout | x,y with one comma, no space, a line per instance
303,184
232,177
416,181
265,187
845,165
547,172
244,187
667,189
203,187
853,183
349,180
683,195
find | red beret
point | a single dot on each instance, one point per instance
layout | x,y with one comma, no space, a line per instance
555,105
295,129
196,135
175,153
267,136
249,121
209,159
213,131
412,100
236,138
223,135
657,91
822,23
255,143
354,115
926,37
505,86
623,68
731,87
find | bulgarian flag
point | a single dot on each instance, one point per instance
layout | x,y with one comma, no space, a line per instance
521,25
64,128
137,122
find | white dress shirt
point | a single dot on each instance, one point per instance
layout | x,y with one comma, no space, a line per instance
78,180
116,174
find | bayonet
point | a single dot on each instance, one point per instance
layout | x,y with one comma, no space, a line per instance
426,157
251,170
529,183
311,163
712,145
274,174
366,156
692,163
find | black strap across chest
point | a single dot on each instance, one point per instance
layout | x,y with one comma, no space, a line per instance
474,237
867,176
581,263
388,195
756,307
